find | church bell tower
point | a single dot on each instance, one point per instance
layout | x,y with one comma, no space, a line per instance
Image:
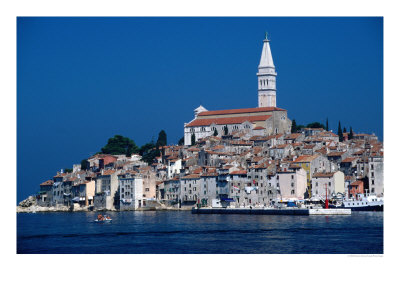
266,77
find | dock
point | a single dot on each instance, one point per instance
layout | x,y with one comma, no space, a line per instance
273,211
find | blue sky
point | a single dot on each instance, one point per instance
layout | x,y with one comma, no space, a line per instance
83,80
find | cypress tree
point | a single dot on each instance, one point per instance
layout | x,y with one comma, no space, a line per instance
327,125
162,139
344,130
340,133
215,132
294,126
181,141
193,139
351,134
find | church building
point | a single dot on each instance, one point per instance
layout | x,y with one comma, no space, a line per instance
266,119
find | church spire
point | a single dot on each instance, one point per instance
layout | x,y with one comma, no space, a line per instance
266,77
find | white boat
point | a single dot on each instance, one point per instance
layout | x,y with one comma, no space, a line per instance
364,202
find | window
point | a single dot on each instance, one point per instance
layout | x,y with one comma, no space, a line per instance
329,184
372,182
147,189
292,176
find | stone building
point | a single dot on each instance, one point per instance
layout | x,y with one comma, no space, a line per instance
149,183
130,191
190,189
45,194
292,183
328,183
266,119
106,187
375,175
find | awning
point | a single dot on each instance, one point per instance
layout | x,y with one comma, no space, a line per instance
76,199
227,199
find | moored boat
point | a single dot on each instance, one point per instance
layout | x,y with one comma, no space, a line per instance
364,202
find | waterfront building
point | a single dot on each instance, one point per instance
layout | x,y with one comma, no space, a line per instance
328,183
312,164
106,187
292,182
149,182
58,190
190,189
208,188
130,191
172,190
45,194
356,187
375,174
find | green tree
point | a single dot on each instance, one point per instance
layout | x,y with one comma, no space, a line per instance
193,139
226,130
215,132
120,145
149,152
351,134
162,139
344,130
85,165
315,125
294,126
340,133
327,125
67,170
181,141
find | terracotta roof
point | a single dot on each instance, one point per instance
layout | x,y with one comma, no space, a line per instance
209,175
48,182
191,176
258,128
282,146
292,136
218,147
108,172
357,182
60,175
258,138
239,172
323,174
241,143
349,159
305,158
222,121
240,111
339,153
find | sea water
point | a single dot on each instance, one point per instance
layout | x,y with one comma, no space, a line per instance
180,232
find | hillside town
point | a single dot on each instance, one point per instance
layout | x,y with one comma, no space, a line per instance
246,168
247,157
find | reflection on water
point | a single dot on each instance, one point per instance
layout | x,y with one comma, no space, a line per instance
182,232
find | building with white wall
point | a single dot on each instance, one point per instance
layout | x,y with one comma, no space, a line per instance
266,118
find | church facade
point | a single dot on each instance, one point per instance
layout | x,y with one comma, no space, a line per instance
266,119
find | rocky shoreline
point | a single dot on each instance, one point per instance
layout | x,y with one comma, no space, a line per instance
29,206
